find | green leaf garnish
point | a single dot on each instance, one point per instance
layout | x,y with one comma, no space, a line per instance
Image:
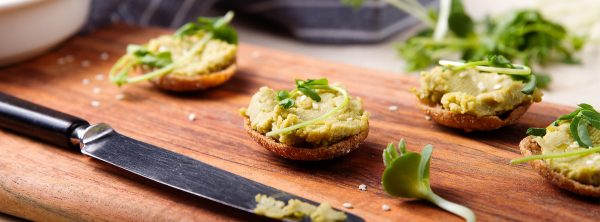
211,28
308,88
536,131
285,99
406,175
530,85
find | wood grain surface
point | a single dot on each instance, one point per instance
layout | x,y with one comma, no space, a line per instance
41,182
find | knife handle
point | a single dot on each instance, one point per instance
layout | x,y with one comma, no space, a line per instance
39,122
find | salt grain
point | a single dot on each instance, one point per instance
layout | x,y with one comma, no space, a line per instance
385,207
462,74
255,54
85,81
302,98
100,77
104,56
481,86
61,61
120,96
427,117
392,108
362,187
96,90
95,103
85,63
192,117
315,106
347,205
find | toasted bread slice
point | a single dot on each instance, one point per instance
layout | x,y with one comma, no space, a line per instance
469,122
181,83
307,153
529,146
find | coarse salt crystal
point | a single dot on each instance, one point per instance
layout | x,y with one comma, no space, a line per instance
192,117
362,187
462,74
85,81
385,207
347,205
427,117
497,86
589,162
95,103
120,96
315,106
393,108
85,63
100,77
302,98
104,56
96,90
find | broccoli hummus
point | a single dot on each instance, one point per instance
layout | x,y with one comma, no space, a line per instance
266,114
472,92
270,207
558,139
217,54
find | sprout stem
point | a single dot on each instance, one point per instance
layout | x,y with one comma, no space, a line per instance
451,207
320,118
556,155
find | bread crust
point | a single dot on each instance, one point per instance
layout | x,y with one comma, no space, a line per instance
469,122
307,153
529,146
182,83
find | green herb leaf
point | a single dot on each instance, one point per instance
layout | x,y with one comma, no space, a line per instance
530,85
536,131
402,145
461,24
574,130
584,135
310,93
287,103
218,27
586,106
499,61
408,176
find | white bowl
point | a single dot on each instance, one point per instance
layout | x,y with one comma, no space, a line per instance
30,27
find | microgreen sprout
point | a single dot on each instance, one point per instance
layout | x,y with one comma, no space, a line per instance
310,89
406,175
498,64
581,119
162,62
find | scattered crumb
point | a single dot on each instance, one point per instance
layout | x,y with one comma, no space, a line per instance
100,77
85,63
104,56
120,96
385,207
85,81
61,61
69,58
393,108
95,103
427,117
362,187
255,54
192,116
497,86
96,90
347,205
315,106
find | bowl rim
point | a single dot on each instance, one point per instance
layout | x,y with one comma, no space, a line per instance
6,5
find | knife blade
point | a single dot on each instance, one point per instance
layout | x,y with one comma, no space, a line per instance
101,142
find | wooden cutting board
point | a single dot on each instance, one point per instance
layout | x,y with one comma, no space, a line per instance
41,182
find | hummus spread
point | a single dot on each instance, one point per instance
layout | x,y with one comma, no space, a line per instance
215,56
472,92
270,207
558,139
266,115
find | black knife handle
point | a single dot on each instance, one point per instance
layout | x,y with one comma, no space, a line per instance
38,122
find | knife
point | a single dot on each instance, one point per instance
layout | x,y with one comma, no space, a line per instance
103,143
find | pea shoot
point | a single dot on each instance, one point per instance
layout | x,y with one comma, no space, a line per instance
309,88
498,64
581,119
162,62
406,175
